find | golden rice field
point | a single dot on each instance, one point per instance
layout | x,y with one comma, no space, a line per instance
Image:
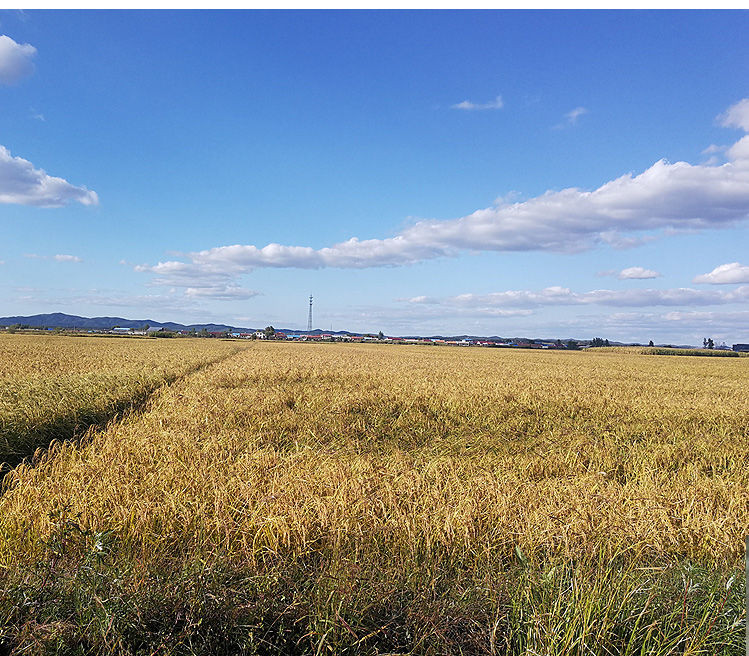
53,386
343,498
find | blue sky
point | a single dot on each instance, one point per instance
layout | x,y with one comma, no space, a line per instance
541,173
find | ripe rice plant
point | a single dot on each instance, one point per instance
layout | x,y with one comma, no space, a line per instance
304,498
54,387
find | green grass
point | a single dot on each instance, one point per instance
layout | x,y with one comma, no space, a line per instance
85,598
708,353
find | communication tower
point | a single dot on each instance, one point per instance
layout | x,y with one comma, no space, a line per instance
309,318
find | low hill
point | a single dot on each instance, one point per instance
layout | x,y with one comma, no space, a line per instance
60,320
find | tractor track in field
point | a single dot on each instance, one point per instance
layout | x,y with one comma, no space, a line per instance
59,429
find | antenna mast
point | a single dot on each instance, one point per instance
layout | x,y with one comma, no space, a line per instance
309,319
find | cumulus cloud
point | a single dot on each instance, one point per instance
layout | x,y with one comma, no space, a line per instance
15,60
467,105
637,273
667,198
556,295
630,273
22,184
724,274
675,196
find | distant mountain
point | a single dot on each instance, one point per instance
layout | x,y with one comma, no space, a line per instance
60,320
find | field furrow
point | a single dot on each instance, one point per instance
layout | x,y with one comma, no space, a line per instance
55,388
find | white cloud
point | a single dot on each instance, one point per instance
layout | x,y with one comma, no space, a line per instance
736,116
221,293
56,258
22,184
66,258
207,283
573,115
667,198
732,272
556,296
182,274
637,273
571,118
716,153
739,152
467,105
15,60
712,149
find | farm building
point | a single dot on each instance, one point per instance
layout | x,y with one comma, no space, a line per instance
743,348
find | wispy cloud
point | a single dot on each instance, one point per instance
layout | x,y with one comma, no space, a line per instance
667,198
725,274
22,184
736,116
715,154
573,115
55,258
712,149
15,60
221,293
37,116
467,105
571,118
